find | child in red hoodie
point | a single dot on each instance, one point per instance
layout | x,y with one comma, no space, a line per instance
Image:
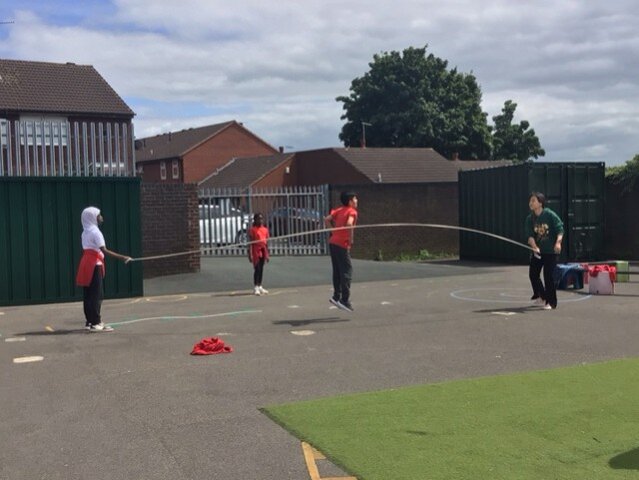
258,252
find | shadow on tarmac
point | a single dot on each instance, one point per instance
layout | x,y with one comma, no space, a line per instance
309,321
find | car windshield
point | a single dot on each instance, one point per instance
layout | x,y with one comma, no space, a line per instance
215,211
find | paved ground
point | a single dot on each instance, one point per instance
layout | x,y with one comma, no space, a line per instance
133,404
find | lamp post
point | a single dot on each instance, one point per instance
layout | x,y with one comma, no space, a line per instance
364,133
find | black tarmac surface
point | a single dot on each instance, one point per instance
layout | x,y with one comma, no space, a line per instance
134,404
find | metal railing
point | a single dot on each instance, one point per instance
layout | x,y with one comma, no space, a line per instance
226,214
66,149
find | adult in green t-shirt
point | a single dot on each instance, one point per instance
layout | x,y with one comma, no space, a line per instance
545,230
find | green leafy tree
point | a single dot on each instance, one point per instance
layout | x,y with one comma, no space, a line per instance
625,176
411,99
514,142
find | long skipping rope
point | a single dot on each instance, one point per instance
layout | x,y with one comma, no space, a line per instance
324,230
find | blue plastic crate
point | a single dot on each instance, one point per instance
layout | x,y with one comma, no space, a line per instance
569,276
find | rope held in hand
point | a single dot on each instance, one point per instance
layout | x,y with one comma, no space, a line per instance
323,230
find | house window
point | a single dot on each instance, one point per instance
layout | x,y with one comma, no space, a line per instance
175,169
56,125
4,131
162,170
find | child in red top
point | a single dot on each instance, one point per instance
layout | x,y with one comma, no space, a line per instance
258,251
340,244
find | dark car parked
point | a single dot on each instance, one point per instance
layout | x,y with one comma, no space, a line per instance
293,220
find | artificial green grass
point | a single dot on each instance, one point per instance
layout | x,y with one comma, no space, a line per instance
578,423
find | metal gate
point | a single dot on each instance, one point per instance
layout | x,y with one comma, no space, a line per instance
226,214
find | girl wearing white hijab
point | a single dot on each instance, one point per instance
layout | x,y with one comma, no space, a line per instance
91,270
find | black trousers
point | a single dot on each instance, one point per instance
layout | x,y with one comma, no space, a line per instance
93,295
548,289
258,272
342,272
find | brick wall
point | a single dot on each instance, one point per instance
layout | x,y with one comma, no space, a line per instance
403,203
234,141
170,224
621,234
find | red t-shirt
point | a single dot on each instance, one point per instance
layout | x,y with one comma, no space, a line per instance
340,216
259,249
259,233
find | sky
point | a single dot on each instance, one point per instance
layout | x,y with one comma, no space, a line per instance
571,66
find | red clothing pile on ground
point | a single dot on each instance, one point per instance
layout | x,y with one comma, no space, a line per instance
210,346
609,269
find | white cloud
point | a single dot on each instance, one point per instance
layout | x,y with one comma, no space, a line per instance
571,66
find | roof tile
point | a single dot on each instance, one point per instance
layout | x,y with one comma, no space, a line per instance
66,88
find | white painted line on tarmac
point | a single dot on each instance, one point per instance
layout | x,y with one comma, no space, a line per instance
1,313
184,317
386,303
49,329
15,339
504,313
302,333
481,294
35,358
293,306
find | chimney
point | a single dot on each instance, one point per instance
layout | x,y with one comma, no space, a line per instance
169,136
455,156
281,149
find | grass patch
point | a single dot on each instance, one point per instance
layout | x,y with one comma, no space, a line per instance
423,255
570,423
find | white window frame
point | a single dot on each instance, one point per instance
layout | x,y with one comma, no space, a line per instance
162,170
175,169
58,124
4,131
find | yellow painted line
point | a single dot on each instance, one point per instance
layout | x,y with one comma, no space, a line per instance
310,455
35,358
49,329
317,455
310,461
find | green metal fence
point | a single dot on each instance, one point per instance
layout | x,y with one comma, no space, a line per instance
40,232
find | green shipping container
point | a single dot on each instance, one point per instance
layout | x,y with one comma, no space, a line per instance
40,232
495,200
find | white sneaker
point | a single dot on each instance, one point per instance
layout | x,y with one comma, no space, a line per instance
257,291
101,327
547,307
539,301
263,290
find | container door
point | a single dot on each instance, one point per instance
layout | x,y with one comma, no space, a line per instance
584,221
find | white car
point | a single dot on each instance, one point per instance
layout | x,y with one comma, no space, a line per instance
220,226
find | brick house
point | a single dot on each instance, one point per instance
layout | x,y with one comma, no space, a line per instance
339,166
191,155
62,119
256,172
380,165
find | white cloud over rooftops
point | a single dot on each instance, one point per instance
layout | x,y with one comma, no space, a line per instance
571,66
